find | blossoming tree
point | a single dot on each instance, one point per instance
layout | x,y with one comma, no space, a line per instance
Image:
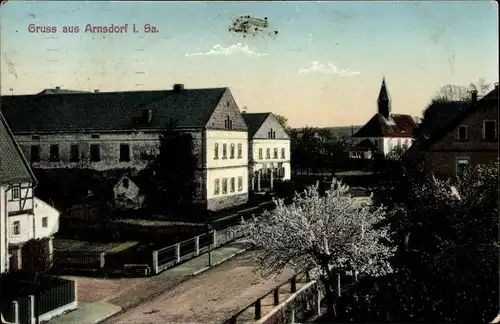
328,234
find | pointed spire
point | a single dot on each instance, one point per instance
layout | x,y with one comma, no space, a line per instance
383,94
384,101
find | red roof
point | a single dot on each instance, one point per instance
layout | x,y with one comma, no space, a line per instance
394,126
364,146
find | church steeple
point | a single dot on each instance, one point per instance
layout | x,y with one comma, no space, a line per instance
384,101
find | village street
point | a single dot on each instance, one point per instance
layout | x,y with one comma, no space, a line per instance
210,297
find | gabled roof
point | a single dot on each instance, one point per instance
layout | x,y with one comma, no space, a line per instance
13,166
394,126
365,145
254,121
489,99
110,111
439,114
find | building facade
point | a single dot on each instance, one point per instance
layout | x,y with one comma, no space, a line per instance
385,131
121,130
269,150
468,140
23,216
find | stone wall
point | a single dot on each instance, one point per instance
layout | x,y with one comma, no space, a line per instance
215,204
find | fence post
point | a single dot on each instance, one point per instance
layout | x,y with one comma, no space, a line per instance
197,245
102,262
15,308
339,289
257,310
292,316
155,261
276,297
356,276
31,299
293,284
178,252
318,300
214,233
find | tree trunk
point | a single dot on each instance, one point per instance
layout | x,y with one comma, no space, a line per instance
330,297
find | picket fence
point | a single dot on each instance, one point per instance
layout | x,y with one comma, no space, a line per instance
170,256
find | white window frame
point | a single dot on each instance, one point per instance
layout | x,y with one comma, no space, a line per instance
16,224
18,190
466,133
484,127
461,158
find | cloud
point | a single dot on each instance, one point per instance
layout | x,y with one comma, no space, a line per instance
218,50
329,68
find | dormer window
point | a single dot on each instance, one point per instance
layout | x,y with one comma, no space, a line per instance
228,123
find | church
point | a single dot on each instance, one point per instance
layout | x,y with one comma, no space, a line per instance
384,131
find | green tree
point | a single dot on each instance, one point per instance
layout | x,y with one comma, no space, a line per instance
172,173
36,267
283,122
445,233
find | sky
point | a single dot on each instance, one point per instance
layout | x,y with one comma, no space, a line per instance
324,67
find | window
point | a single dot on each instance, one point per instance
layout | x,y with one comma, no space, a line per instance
228,123
283,153
16,227
16,193
231,152
35,153
35,137
224,151
240,151
54,152
462,133
217,186
125,183
260,154
95,136
275,153
74,153
271,134
95,153
232,185
240,183
45,221
268,153
462,166
124,153
490,129
224,186
216,151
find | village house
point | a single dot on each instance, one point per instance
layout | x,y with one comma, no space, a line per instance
467,139
23,216
384,131
268,150
121,130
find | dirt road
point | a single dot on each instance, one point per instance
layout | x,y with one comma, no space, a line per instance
211,297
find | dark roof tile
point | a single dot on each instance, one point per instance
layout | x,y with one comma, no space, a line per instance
110,111
254,121
395,126
13,166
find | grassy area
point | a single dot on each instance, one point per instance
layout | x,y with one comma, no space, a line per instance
122,247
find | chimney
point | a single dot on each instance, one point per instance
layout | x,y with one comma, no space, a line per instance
244,110
496,85
147,115
473,96
96,90
178,87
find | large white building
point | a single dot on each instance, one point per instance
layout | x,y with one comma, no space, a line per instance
269,150
384,131
22,216
121,130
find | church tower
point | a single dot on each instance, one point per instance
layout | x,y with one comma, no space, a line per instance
384,101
